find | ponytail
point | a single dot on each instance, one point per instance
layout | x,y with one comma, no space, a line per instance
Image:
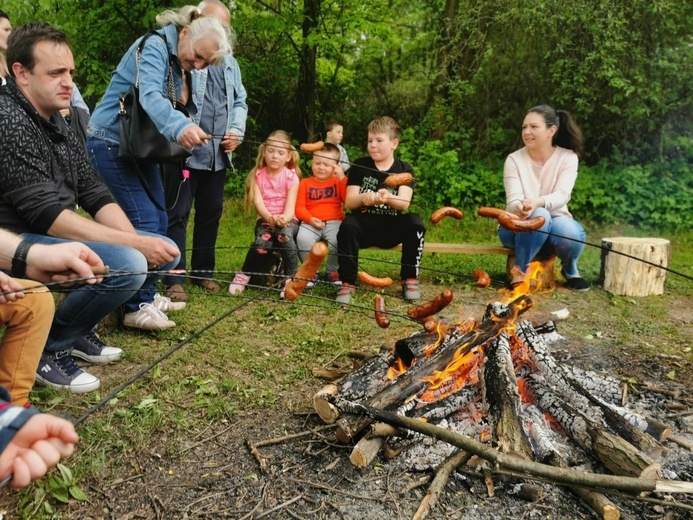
568,134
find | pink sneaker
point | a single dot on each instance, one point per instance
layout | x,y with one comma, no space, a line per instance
239,283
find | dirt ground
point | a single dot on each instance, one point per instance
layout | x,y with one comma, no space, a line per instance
310,476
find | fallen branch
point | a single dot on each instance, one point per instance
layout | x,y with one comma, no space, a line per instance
437,487
556,474
284,438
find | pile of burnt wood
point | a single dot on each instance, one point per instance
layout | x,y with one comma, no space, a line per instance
493,383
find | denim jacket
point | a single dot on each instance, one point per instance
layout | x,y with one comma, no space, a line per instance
235,97
153,83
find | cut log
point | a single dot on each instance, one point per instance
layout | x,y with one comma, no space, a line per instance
502,399
642,272
322,405
599,503
414,380
366,450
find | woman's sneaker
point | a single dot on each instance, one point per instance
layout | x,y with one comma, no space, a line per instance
576,283
165,304
59,370
147,318
90,348
238,284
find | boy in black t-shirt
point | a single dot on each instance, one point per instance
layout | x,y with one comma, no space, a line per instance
377,212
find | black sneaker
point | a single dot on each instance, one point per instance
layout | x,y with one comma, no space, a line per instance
59,370
576,283
91,348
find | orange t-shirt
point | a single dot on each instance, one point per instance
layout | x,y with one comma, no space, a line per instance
323,200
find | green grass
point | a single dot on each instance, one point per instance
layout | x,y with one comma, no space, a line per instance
260,357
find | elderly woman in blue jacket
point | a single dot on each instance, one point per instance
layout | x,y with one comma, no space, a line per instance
187,43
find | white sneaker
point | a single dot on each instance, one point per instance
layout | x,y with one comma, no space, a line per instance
148,318
164,304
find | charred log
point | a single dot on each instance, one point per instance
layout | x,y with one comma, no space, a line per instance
502,399
619,456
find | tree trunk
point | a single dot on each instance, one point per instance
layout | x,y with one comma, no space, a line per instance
307,76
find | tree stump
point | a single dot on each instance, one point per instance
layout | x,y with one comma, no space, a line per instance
628,275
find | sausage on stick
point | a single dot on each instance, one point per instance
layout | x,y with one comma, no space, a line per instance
374,281
306,272
446,211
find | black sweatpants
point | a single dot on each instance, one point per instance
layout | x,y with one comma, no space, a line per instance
359,231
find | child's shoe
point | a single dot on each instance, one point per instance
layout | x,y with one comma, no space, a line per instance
346,291
410,289
333,278
311,283
286,282
238,284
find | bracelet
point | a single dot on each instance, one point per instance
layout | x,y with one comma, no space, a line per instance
19,259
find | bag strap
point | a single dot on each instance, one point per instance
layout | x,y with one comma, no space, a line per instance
170,87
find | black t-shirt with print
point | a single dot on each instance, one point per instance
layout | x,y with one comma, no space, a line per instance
368,177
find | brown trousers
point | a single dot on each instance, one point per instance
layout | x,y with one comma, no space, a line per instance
27,323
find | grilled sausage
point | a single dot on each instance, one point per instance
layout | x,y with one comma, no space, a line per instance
312,147
432,307
374,281
306,272
482,278
398,179
516,225
446,211
380,314
493,212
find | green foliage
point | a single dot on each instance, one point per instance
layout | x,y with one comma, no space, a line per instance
657,195
60,487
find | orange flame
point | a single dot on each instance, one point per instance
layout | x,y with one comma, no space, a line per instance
532,283
396,369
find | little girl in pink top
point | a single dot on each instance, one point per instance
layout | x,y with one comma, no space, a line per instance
272,186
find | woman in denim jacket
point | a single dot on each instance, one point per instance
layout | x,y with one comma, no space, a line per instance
191,42
219,107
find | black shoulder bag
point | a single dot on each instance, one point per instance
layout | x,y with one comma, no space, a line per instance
140,139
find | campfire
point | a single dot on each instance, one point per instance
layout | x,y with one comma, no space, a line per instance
496,382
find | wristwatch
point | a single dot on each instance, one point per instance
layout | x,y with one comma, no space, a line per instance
19,259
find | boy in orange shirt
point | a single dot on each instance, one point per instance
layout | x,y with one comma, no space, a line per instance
320,207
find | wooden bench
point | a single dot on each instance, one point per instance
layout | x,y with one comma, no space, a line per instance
460,249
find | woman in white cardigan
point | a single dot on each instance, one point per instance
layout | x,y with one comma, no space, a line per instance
539,180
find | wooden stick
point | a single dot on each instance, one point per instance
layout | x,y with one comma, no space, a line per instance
100,270
258,456
437,487
562,475
284,438
681,442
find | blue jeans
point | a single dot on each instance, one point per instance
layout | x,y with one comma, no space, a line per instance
125,186
86,305
527,245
